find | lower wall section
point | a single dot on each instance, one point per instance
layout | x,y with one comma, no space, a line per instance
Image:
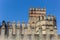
24,37
19,36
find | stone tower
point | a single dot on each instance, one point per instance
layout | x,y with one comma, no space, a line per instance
43,25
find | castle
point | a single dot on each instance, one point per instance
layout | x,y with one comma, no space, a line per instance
39,27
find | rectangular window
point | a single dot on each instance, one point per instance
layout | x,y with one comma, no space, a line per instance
39,17
42,17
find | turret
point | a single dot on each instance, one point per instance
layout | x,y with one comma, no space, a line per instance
54,20
8,27
28,26
18,25
4,26
23,26
29,29
13,28
48,17
54,24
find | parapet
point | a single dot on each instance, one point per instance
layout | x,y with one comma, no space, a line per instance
37,11
51,17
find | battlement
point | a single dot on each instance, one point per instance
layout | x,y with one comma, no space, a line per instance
38,27
37,12
50,17
38,9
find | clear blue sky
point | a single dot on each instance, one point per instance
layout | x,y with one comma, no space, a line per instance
18,9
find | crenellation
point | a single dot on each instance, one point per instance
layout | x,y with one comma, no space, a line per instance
14,28
18,25
49,17
23,26
38,27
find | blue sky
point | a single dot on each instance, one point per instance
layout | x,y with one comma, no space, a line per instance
18,9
